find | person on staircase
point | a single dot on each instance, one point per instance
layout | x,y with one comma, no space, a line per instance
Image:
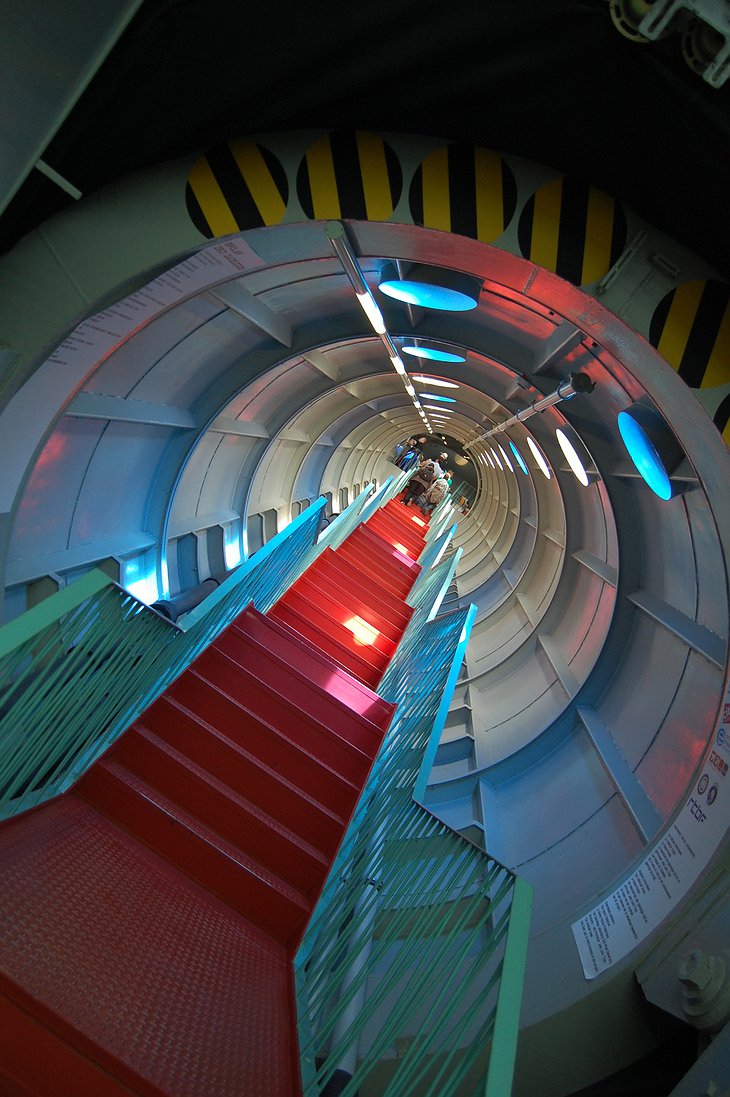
428,471
403,448
430,499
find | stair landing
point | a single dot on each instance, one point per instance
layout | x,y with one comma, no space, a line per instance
101,932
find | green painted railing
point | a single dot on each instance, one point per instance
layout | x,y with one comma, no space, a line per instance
410,968
79,668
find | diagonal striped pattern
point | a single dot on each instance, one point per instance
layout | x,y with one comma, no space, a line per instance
349,174
236,186
691,329
464,189
572,229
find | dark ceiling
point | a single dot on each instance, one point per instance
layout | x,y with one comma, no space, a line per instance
550,80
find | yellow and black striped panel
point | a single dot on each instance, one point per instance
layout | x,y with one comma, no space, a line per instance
350,174
691,329
236,186
464,189
572,229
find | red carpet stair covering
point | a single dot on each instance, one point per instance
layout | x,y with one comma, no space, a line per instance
148,919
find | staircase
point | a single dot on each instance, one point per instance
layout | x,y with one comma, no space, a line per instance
149,918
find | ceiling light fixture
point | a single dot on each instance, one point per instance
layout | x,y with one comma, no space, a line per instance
432,287
571,456
651,446
518,457
434,355
507,461
437,381
539,458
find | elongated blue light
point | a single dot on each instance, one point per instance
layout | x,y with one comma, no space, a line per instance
644,456
433,355
427,296
518,456
440,399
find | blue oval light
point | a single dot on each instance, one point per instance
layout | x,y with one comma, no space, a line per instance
427,296
440,399
433,355
648,463
518,457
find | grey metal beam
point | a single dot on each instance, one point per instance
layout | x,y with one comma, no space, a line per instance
598,567
224,424
197,523
566,677
632,793
684,474
56,563
94,405
563,339
251,308
692,633
320,361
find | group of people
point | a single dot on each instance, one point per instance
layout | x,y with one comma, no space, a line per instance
431,481
408,452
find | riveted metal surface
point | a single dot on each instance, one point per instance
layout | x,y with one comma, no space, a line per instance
140,959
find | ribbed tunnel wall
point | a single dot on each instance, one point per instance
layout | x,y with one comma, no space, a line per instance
251,382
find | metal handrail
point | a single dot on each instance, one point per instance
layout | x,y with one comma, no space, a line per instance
79,668
409,936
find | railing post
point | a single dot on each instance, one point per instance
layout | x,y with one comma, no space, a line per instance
507,1021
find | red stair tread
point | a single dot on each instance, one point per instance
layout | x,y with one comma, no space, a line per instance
137,958
250,888
345,743
223,808
327,592
316,700
45,1061
370,544
362,669
406,533
335,571
335,619
378,572
362,596
265,786
283,642
271,746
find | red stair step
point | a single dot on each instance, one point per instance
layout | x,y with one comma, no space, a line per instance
223,808
340,620
281,748
343,602
392,529
265,786
316,700
45,1061
364,593
342,739
255,892
288,646
135,966
371,544
378,573
366,670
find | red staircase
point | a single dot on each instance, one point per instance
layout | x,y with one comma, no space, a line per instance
148,919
